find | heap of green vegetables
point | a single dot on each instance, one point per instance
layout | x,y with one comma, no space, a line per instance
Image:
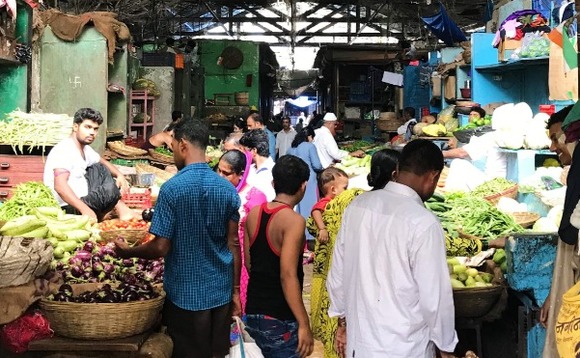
36,130
494,186
472,215
164,151
27,197
357,145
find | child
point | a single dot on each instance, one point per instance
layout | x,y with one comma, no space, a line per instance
331,182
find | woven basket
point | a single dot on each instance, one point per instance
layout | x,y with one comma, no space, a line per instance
161,157
473,302
525,219
123,149
508,193
388,125
131,236
101,321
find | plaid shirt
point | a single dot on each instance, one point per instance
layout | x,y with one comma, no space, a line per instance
193,211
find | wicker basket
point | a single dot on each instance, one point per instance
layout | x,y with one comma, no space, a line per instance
525,219
161,157
131,236
475,302
389,125
101,321
508,193
123,149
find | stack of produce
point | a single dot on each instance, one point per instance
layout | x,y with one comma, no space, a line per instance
26,197
146,84
64,231
461,276
357,145
124,292
121,148
119,227
213,154
355,166
492,187
100,263
36,130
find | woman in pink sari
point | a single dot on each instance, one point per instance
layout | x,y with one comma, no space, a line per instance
234,166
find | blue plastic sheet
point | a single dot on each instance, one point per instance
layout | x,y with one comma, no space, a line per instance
444,27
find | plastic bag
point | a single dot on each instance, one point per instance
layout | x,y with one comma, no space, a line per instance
16,335
246,346
534,44
568,323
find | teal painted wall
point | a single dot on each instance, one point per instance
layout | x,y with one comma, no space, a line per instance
73,75
221,80
14,78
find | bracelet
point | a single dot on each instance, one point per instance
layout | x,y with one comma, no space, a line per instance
342,322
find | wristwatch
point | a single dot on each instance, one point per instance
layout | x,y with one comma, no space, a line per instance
341,321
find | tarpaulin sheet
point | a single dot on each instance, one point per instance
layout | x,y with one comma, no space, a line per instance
444,27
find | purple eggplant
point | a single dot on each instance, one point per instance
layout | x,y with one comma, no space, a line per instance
76,271
83,255
89,246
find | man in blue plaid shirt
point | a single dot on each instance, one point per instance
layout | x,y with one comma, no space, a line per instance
196,229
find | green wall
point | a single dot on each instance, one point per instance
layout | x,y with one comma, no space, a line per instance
221,80
14,77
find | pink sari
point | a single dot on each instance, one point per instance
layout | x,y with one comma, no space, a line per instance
250,197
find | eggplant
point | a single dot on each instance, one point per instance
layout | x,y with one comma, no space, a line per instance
83,255
89,246
147,214
66,289
76,271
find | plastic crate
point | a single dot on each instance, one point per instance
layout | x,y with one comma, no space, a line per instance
137,200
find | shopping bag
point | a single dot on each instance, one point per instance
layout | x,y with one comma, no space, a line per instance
568,324
246,346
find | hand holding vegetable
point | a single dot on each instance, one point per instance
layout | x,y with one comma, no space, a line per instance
120,248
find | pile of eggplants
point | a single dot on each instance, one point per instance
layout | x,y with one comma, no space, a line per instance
124,292
96,263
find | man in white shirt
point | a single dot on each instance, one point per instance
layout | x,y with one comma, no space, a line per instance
326,146
463,174
256,142
285,137
81,181
389,281
409,118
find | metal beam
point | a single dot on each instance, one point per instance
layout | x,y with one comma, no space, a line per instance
368,21
216,17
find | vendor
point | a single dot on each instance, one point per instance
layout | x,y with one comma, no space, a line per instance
407,127
476,113
82,181
161,139
326,146
463,174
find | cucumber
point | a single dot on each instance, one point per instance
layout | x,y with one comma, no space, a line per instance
78,235
68,245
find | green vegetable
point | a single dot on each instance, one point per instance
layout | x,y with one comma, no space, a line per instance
68,245
78,235
40,232
21,225
494,186
499,256
27,196
357,145
164,151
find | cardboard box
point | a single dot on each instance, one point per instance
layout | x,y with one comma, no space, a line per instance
506,48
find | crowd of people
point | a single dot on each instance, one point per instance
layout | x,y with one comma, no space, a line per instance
233,238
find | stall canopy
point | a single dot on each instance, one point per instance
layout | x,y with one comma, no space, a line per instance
442,26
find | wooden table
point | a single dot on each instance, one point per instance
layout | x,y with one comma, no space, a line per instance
69,348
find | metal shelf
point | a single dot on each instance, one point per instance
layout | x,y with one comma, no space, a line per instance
513,65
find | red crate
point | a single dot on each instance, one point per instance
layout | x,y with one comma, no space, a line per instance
137,200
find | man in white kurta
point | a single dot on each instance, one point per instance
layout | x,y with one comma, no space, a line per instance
328,151
389,279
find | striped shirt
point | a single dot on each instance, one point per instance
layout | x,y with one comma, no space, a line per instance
192,211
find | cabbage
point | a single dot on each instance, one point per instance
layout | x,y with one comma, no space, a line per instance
545,225
555,214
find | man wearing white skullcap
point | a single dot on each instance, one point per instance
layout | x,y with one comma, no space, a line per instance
325,144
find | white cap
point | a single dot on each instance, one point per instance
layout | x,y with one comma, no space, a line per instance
330,117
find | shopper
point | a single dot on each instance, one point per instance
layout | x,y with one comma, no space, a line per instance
81,181
285,137
232,141
303,148
567,260
240,126
256,142
464,175
255,121
196,229
276,316
390,287
235,167
383,168
328,150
